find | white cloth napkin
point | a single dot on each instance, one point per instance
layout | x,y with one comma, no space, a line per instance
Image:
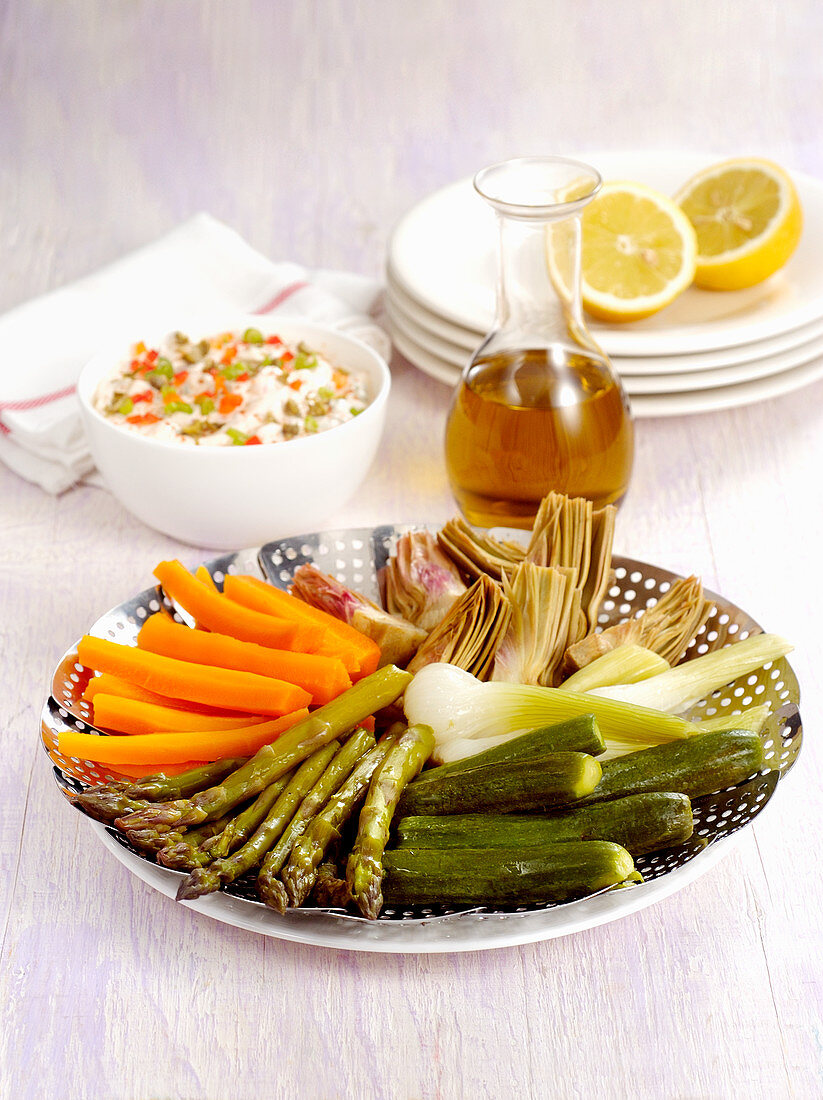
200,266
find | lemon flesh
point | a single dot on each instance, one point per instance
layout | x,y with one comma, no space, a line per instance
748,220
638,252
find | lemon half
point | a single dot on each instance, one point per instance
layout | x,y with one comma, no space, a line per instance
639,252
748,221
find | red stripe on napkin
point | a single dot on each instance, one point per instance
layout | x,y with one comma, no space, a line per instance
36,402
281,297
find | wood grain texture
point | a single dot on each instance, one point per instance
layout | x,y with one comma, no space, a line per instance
311,128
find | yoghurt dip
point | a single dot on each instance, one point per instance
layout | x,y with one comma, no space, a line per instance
229,390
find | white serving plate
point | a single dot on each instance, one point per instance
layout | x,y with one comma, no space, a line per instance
456,345
355,558
417,339
442,254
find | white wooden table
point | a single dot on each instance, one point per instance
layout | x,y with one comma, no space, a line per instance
310,129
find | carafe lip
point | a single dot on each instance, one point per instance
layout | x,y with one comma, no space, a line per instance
531,188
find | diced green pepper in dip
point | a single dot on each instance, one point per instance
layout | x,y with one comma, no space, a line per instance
230,390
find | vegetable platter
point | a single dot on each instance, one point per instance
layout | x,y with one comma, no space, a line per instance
356,558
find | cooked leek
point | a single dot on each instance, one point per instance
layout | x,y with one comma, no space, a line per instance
681,687
459,707
624,665
752,720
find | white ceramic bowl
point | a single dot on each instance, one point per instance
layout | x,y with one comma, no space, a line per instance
230,497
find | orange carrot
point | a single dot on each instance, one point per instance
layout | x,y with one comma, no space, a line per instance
324,677
205,577
216,612
252,592
107,684
175,748
112,712
243,691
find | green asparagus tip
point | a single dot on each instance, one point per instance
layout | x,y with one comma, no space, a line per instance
179,857
159,815
298,883
104,804
273,893
202,880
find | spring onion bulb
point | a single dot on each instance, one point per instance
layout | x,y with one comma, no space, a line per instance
681,687
626,664
459,707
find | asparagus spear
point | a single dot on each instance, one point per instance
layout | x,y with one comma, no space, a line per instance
240,828
105,803
364,871
270,888
178,841
199,847
161,786
207,879
327,723
109,801
300,872
331,891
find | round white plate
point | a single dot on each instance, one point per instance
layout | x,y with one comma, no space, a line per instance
426,361
657,403
727,397
356,556
739,373
454,334
417,340
442,334
433,936
443,254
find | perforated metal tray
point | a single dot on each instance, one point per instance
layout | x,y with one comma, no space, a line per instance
355,557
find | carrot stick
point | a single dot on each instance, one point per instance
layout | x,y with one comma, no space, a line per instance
138,771
323,677
252,592
205,577
216,612
108,684
112,712
175,748
243,691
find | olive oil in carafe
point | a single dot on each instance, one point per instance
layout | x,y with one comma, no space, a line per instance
524,423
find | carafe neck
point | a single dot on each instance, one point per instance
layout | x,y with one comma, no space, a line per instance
538,283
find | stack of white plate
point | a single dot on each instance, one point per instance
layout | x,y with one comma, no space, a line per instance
708,350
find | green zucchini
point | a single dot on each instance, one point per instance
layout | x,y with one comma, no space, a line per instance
502,876
640,823
694,766
551,780
579,734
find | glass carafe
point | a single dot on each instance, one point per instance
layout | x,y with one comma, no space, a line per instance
539,406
